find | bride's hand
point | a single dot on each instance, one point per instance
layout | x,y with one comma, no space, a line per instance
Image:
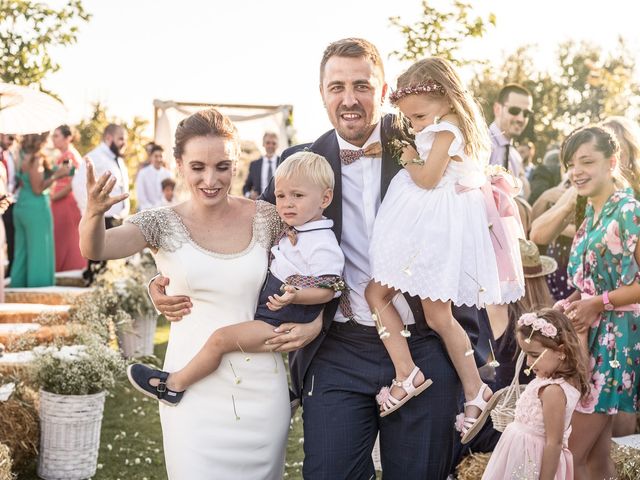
99,200
292,336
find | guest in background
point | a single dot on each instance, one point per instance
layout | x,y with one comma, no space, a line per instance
262,169
34,261
546,175
4,204
149,180
527,151
512,112
8,161
66,214
554,225
106,157
168,188
628,136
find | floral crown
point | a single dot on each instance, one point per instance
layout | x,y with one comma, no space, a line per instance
430,86
537,324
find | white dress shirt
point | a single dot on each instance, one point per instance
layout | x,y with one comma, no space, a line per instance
103,160
149,186
360,203
315,253
499,144
264,173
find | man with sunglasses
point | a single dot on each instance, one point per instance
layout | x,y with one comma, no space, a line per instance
512,111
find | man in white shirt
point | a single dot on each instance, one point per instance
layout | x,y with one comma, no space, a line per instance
512,111
106,157
261,170
149,180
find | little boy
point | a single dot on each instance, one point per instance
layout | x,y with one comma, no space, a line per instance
168,186
304,274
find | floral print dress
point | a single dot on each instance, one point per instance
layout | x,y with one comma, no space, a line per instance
602,258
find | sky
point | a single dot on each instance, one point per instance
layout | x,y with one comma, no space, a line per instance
268,52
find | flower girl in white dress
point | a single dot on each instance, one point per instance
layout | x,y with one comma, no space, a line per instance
445,232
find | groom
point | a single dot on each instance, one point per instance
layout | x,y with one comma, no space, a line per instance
340,372
343,364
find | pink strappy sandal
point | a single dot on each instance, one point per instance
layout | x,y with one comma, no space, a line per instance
471,426
390,404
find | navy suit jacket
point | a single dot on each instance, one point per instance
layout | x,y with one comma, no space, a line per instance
254,178
327,146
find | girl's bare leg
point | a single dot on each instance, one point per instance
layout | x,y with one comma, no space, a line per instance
380,299
439,318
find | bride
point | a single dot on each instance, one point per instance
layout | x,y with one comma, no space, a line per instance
214,247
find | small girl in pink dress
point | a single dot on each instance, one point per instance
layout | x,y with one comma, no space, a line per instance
534,445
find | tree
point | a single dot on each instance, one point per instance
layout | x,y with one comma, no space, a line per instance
28,33
587,86
439,33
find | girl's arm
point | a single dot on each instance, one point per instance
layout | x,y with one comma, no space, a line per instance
551,223
553,406
97,243
428,176
37,180
587,310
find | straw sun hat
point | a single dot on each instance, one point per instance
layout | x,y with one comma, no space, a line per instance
534,264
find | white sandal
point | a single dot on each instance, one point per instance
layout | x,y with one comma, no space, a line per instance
471,426
390,404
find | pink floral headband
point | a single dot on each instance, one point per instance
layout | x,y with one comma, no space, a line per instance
430,86
537,324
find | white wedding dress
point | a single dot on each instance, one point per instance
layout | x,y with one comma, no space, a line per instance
234,423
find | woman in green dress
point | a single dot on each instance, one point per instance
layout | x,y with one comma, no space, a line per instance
605,307
34,257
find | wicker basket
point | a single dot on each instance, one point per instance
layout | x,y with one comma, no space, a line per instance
69,435
504,412
136,340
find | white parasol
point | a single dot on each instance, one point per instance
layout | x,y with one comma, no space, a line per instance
24,110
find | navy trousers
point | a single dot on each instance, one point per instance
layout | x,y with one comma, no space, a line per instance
341,418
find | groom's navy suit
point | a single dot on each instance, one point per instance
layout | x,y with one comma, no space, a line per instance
338,374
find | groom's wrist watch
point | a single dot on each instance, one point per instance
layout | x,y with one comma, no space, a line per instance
608,306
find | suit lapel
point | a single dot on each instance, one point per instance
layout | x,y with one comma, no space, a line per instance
327,146
389,165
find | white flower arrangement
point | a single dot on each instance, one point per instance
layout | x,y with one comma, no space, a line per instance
76,369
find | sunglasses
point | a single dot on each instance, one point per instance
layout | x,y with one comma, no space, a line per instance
515,111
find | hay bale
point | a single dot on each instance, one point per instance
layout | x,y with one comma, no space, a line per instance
627,461
472,466
5,463
19,425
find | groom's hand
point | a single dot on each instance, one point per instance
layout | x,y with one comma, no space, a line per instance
173,308
292,336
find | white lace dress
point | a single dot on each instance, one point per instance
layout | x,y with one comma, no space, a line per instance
234,423
436,243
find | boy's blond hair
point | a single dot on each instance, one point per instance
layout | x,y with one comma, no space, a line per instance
307,164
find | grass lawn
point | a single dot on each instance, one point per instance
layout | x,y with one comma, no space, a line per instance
131,440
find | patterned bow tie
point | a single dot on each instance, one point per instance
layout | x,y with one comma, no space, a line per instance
289,232
349,156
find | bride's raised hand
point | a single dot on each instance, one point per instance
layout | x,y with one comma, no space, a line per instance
99,199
